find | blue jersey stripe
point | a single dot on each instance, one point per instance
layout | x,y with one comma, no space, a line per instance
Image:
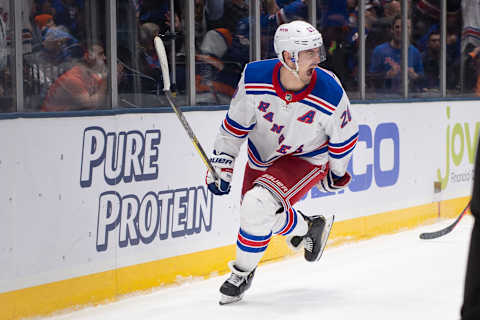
254,238
313,153
341,155
255,163
261,92
233,134
341,144
293,225
250,249
255,153
316,106
235,124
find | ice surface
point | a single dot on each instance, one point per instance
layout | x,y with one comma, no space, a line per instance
390,277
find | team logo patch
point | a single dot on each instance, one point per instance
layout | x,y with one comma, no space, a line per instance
263,106
307,117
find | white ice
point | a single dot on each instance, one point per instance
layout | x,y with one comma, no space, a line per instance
390,277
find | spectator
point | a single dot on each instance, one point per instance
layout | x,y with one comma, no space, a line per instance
288,10
453,46
216,42
274,13
470,38
211,13
386,58
44,20
150,71
336,10
125,72
372,34
179,32
472,69
44,7
384,22
6,11
68,14
59,46
40,7
149,63
352,13
82,87
234,10
392,9
338,49
431,62
216,78
427,12
153,11
453,33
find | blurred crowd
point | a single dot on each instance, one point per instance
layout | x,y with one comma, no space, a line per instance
65,58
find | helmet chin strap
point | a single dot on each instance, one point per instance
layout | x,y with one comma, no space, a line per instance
295,72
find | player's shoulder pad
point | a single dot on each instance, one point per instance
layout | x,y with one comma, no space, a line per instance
328,87
260,71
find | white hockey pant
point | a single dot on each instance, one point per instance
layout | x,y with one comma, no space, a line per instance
258,221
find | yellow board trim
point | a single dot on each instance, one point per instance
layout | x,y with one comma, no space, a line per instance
110,285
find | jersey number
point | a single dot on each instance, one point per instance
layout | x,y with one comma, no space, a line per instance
346,118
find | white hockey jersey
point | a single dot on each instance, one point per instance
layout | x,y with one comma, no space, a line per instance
315,124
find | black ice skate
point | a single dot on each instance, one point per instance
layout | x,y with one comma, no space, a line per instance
315,240
233,288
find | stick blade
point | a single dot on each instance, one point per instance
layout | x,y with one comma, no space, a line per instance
444,231
431,235
434,235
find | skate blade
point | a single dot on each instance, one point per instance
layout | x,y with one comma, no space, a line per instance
228,299
328,227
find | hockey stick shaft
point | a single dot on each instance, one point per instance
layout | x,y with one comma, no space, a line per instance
162,57
447,229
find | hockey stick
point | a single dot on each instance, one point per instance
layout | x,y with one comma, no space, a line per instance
162,57
444,231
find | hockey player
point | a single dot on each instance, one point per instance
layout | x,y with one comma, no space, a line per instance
301,133
471,295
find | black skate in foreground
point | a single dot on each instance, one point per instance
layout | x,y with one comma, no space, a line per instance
233,288
316,238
